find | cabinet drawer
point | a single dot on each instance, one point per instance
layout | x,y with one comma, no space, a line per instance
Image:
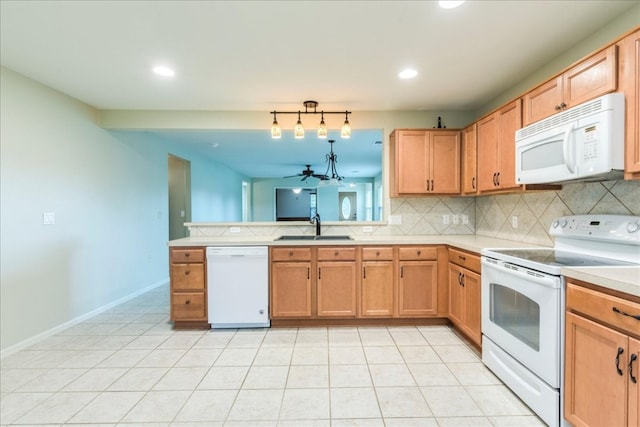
465,259
188,306
340,254
187,255
291,254
187,276
373,254
417,253
602,307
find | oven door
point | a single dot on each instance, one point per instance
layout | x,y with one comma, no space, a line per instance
521,313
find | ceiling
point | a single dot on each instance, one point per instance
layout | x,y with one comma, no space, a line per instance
266,55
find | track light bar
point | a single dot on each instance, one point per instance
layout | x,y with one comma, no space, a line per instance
298,131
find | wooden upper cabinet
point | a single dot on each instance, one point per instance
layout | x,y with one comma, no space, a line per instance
469,179
425,161
496,148
629,80
593,77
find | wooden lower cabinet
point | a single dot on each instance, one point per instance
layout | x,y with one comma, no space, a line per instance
291,289
602,378
464,293
337,289
378,284
378,289
418,288
187,269
291,282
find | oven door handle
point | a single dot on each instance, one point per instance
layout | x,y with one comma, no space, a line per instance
537,278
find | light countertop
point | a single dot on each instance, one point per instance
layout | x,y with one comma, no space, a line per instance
623,279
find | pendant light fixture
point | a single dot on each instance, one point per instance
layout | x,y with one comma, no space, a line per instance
310,107
276,131
298,130
345,132
322,129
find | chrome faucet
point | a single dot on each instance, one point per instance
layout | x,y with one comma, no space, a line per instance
316,220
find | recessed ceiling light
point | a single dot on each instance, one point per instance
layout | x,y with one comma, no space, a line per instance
408,73
163,71
450,4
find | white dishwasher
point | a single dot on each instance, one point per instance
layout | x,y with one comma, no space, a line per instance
238,286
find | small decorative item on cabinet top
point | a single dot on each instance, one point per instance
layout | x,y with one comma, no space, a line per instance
440,124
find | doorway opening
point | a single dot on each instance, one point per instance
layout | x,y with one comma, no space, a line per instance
179,196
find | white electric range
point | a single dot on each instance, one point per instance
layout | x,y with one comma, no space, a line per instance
523,303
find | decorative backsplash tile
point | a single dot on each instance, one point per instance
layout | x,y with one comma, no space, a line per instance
487,215
536,211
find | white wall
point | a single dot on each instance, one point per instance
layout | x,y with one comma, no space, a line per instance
110,204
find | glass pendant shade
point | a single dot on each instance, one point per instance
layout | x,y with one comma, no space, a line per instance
345,132
322,129
298,130
276,131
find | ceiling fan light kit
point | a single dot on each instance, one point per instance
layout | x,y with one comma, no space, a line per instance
331,159
310,107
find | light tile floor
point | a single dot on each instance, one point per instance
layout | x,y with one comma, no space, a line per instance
129,367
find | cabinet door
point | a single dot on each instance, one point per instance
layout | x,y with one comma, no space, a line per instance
543,101
417,288
487,153
336,289
471,286
593,77
377,289
444,162
595,392
634,382
456,295
509,121
290,289
630,85
411,159
469,160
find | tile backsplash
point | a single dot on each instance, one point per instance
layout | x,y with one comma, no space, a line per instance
535,211
491,216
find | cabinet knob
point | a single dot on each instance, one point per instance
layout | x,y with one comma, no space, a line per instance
187,302
187,255
419,252
563,105
290,253
337,253
378,253
557,108
186,273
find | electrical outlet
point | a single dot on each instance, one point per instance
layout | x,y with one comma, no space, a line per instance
465,219
456,219
445,219
367,229
395,219
514,221
234,229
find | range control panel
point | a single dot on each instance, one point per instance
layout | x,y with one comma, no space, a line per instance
611,228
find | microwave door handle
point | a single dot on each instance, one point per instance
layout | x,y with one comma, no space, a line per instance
567,156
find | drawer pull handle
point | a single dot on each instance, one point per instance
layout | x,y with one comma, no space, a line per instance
620,351
337,253
378,253
462,257
419,252
632,359
617,310
188,302
364,272
187,255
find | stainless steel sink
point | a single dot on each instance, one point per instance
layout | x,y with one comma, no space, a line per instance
327,237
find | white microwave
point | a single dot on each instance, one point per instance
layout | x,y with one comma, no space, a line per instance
585,143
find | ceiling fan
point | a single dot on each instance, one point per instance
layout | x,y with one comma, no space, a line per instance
308,172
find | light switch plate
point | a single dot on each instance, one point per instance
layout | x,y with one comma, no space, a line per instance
234,229
48,218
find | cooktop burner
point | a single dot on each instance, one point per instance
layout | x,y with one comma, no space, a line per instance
560,258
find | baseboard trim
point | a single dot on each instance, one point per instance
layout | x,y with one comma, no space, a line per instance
56,329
